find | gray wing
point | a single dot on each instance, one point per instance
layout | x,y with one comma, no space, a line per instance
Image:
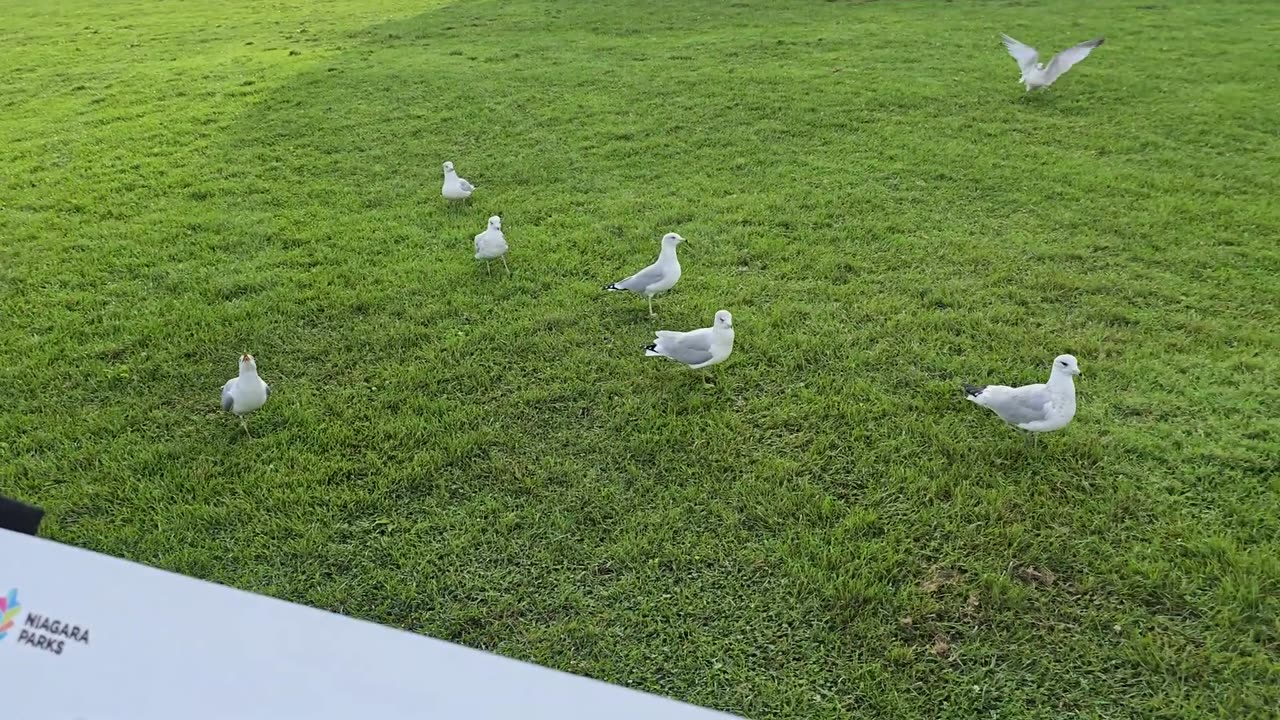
227,400
1029,403
691,349
1026,55
466,185
268,387
642,279
1063,61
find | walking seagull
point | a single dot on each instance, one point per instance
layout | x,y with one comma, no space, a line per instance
1035,408
1035,75
658,277
492,244
245,393
455,188
699,348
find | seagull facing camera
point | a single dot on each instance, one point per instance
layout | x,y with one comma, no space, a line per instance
455,188
492,244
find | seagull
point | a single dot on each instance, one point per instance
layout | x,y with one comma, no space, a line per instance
1035,408
246,392
699,348
658,277
1035,75
455,188
491,244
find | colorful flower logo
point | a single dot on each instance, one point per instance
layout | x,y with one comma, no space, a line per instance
9,608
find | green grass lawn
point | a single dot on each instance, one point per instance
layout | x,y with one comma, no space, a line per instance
829,530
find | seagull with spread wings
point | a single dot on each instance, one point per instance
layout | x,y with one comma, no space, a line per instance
1036,75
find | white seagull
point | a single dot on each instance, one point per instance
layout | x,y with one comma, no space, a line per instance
658,277
1035,408
455,188
492,244
246,392
699,348
1035,75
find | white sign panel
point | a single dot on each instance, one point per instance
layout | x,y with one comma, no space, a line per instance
84,636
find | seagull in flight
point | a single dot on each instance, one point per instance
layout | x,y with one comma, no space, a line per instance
1034,74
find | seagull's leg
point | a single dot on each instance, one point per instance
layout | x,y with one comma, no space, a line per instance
505,265
244,425
651,312
487,269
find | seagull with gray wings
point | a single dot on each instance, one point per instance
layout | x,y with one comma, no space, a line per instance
246,392
1036,75
1043,407
455,188
492,244
658,277
699,348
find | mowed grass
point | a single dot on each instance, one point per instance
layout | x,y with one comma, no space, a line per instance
827,531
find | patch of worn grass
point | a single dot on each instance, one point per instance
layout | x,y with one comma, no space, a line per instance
827,531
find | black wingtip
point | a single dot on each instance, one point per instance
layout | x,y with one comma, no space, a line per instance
651,347
611,286
973,390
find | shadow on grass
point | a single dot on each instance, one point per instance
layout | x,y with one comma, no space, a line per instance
739,509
